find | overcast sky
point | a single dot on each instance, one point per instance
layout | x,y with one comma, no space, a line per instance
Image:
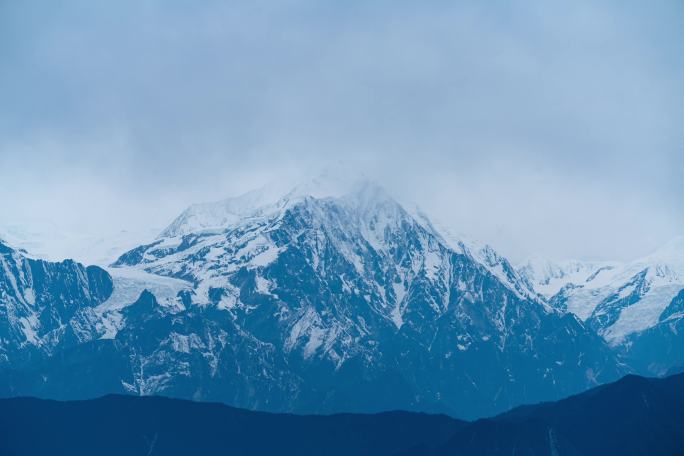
551,128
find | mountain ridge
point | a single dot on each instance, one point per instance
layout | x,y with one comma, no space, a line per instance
637,415
634,306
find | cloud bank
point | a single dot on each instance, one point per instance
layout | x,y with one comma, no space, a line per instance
541,127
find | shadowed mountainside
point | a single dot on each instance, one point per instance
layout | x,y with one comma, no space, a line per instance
634,415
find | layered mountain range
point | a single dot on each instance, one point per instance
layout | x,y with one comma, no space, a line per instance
633,416
314,300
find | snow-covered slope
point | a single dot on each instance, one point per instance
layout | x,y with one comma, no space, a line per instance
548,277
495,263
619,300
263,202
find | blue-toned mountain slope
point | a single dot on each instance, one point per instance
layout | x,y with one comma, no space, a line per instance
326,304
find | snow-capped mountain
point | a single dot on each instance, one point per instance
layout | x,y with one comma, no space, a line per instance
547,277
624,302
322,299
217,216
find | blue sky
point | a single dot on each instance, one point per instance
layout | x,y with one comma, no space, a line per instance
541,127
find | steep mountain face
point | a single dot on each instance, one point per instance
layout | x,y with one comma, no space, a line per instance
47,308
46,305
339,302
634,306
660,348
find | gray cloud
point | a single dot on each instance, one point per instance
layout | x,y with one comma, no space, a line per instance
547,127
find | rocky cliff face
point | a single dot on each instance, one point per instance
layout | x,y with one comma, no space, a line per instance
44,305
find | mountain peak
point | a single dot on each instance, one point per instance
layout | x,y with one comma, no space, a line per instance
271,198
336,181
